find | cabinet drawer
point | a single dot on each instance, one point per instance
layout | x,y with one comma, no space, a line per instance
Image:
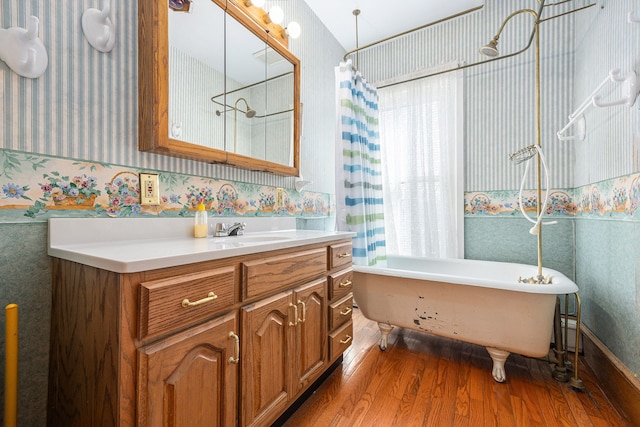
339,255
341,283
340,340
340,311
264,276
174,302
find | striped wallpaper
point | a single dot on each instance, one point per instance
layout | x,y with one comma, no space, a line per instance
606,41
85,105
500,97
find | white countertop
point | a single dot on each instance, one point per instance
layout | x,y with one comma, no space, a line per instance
128,245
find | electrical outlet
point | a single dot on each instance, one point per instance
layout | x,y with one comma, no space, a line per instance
279,197
149,189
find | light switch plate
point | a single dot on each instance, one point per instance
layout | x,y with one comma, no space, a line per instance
279,197
149,189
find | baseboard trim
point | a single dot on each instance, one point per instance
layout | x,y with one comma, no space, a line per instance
617,381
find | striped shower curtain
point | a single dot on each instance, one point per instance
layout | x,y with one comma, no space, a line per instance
359,181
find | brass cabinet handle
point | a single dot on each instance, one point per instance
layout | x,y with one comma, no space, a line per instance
345,284
304,311
236,359
210,297
347,340
295,314
346,312
344,255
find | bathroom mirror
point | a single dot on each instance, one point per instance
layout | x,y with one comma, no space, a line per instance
214,86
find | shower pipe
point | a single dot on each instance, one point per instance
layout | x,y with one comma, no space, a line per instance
575,380
224,105
462,67
560,370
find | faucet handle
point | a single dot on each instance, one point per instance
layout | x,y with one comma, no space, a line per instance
221,230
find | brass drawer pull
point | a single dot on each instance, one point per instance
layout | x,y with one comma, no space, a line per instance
304,311
346,312
344,255
345,284
210,297
295,314
347,340
236,339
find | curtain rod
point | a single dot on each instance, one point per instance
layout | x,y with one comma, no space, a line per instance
462,67
439,21
357,49
251,85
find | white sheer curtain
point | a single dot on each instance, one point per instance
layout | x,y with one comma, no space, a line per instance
421,135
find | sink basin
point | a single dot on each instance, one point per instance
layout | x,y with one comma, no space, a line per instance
253,238
262,238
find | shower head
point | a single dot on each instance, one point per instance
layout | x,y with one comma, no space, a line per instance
523,154
250,111
491,49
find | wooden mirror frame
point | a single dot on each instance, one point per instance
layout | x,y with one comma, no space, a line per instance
153,91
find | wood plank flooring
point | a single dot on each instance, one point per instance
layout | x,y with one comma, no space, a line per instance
423,380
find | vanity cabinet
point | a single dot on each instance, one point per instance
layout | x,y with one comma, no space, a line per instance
284,350
191,379
341,299
283,336
230,341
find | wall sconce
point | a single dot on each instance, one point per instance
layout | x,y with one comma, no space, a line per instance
276,14
293,30
271,20
256,3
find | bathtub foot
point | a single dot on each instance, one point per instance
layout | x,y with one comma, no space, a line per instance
499,357
385,330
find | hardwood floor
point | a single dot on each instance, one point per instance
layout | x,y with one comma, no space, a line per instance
423,380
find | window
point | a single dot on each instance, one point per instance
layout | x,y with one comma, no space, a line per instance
421,140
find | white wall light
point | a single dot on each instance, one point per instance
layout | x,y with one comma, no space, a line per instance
293,30
276,14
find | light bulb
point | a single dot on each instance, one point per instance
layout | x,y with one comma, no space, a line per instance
276,14
294,30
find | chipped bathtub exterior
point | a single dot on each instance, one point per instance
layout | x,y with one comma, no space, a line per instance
479,302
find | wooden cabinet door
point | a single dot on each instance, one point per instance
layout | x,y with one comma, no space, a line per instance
190,379
311,344
268,334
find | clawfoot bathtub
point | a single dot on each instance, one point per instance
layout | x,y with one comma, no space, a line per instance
479,302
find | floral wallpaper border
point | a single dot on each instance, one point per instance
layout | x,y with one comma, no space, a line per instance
617,198
36,187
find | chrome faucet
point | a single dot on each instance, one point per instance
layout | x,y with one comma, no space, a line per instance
223,230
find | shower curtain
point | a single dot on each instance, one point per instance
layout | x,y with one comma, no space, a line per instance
358,168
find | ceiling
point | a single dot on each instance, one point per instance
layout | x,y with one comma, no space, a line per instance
379,19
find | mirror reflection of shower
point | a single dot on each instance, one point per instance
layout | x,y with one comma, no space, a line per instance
249,113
